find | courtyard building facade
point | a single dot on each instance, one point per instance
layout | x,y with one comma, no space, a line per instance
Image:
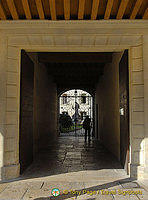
74,101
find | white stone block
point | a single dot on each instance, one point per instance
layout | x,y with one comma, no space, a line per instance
9,158
137,64
88,40
12,78
74,40
136,158
137,144
133,169
10,171
11,130
114,40
138,117
1,156
13,65
146,156
10,144
138,104
139,157
12,104
137,77
2,111
60,40
47,40
146,146
131,40
138,91
17,40
3,79
35,40
11,118
142,157
101,40
136,171
137,52
12,91
13,52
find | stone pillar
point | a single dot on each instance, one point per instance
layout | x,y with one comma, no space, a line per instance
145,65
10,87
3,78
136,101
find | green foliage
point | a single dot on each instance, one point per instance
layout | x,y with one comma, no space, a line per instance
65,121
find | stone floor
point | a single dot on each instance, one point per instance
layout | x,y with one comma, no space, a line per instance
79,132
79,170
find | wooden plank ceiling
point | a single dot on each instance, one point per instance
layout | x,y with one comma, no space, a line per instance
73,9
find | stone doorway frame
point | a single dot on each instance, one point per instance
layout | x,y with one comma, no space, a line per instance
71,36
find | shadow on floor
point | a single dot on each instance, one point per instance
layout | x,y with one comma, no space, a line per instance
70,154
94,188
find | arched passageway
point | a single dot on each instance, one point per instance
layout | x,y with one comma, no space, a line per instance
60,83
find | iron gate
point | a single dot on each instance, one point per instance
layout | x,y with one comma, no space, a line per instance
75,105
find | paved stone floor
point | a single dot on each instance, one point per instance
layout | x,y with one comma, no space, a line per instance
79,132
79,170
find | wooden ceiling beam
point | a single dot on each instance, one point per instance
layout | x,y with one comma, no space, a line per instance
12,9
122,8
40,9
52,9
136,9
145,16
26,9
67,9
81,9
2,12
95,6
108,9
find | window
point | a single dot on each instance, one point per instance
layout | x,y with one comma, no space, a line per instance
64,98
83,98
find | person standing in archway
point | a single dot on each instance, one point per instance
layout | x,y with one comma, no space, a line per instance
87,127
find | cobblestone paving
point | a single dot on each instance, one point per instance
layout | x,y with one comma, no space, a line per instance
79,170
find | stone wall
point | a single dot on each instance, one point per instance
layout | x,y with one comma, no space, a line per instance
124,110
38,109
10,106
26,112
45,107
107,98
145,105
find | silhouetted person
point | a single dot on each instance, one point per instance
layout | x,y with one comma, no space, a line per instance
87,127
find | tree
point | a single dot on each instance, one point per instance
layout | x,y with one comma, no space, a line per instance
65,121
